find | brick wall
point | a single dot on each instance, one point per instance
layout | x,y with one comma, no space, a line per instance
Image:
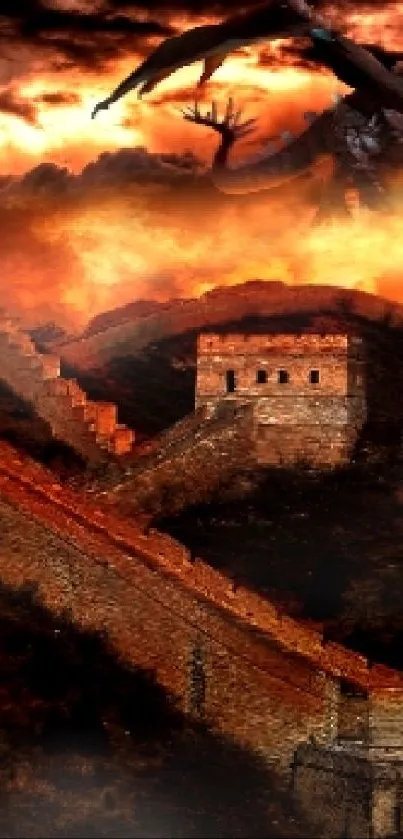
90,428
269,682
320,446
254,693
349,794
190,462
386,719
297,419
336,790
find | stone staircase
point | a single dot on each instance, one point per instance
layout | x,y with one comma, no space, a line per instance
190,462
90,428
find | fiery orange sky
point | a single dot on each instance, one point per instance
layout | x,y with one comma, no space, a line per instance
91,214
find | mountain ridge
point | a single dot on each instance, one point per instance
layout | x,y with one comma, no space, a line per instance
255,298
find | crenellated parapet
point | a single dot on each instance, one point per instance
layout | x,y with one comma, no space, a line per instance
89,428
234,343
308,390
171,559
270,682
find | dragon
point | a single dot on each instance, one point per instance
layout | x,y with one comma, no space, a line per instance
357,146
365,124
213,42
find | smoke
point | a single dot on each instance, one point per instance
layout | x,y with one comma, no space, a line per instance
69,244
137,225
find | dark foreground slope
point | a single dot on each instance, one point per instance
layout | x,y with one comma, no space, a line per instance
326,548
92,750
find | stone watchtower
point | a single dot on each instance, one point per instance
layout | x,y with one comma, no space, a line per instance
308,392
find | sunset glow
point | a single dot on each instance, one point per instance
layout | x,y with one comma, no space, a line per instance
112,245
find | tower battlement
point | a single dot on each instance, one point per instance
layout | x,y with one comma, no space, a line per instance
308,391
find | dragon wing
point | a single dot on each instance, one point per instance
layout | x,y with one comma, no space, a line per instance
169,56
358,67
212,43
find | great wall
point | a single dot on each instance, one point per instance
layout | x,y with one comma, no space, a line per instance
235,433
223,305
196,457
90,428
34,490
270,683
177,460
225,654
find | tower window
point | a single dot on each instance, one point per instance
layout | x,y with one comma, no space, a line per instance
230,381
283,377
261,377
314,377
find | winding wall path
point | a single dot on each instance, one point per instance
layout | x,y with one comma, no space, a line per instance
90,428
269,682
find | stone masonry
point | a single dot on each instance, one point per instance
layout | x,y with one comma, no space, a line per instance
308,392
314,709
354,786
193,459
278,400
89,428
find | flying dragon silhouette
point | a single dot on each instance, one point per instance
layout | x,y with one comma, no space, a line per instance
365,70
212,43
360,149
352,64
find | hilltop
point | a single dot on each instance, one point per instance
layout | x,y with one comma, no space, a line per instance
133,330
146,362
123,314
325,549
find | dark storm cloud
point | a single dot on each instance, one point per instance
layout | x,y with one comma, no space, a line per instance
228,7
147,185
127,167
87,39
32,18
58,97
118,172
192,7
91,39
299,52
44,179
12,103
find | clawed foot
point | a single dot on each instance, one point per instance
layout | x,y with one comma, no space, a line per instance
102,106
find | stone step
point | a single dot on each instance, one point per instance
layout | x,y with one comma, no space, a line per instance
61,402
78,395
56,387
106,419
122,440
